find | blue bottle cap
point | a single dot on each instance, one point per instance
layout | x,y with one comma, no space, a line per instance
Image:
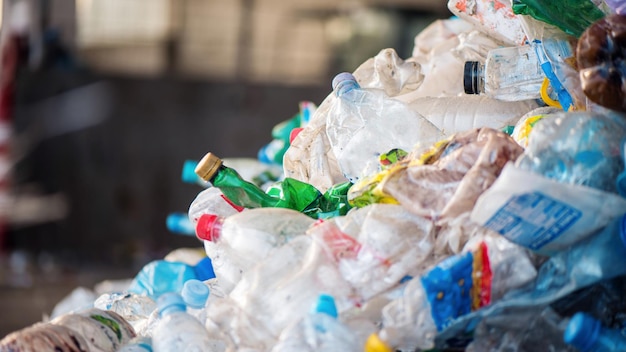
326,304
170,302
179,223
189,172
582,331
342,77
195,293
204,269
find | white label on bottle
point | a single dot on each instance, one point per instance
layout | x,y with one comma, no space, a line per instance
533,219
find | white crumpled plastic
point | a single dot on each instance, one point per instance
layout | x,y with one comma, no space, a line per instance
434,70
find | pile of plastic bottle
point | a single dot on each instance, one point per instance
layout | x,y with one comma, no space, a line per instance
470,197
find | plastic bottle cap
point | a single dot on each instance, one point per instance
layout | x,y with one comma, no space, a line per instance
208,166
204,269
195,293
342,77
208,227
294,133
326,304
375,344
179,223
582,331
189,174
470,77
170,302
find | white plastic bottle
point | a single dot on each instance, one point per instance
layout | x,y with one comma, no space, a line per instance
510,73
238,242
363,123
458,114
177,330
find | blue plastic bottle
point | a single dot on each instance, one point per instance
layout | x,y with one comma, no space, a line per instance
180,224
589,335
161,276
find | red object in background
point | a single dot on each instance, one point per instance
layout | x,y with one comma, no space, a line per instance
9,56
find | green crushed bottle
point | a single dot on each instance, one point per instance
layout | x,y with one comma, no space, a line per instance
571,16
288,193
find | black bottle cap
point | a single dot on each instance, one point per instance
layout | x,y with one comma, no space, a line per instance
470,77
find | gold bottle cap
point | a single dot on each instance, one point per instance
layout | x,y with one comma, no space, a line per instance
208,166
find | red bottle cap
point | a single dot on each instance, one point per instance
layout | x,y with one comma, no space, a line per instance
209,227
294,133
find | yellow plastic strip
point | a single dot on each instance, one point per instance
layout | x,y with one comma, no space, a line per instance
546,97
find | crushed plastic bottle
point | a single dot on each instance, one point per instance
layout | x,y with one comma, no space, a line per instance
134,308
138,344
365,123
179,331
321,330
599,257
104,331
536,329
455,287
212,201
237,243
160,276
577,148
494,17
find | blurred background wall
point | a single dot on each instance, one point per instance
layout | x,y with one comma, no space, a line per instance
109,97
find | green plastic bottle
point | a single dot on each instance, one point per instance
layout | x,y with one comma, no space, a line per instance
288,193
571,16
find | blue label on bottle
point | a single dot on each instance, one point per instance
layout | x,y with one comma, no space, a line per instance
533,219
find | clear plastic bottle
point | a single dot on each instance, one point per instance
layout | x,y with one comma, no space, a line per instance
104,331
196,294
160,276
212,201
321,330
363,123
511,74
588,334
138,344
237,243
177,330
577,148
136,309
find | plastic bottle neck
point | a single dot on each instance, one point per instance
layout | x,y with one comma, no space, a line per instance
209,227
473,77
345,87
